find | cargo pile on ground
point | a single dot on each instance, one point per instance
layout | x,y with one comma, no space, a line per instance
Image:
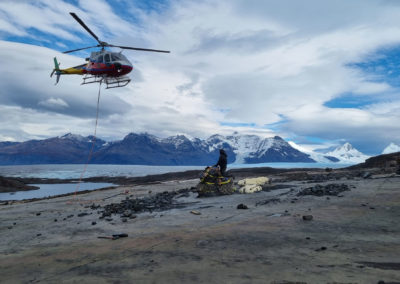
163,233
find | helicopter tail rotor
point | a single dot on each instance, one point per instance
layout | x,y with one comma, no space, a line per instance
56,70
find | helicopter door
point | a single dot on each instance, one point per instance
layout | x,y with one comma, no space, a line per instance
99,59
107,59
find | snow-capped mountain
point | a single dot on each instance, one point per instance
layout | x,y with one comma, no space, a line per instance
316,156
146,149
77,137
67,149
242,145
391,148
347,154
249,149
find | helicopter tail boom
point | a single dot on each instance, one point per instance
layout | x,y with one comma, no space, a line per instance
78,70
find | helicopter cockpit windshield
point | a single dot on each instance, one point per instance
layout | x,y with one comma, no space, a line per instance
118,57
112,58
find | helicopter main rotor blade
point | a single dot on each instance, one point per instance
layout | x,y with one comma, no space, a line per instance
85,27
141,49
73,50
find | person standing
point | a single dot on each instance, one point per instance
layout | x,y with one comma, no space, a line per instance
222,162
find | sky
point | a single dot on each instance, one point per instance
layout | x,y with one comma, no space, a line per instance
318,73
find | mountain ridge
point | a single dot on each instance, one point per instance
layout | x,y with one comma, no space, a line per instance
346,153
147,149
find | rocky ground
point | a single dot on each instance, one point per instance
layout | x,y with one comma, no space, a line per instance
12,185
308,226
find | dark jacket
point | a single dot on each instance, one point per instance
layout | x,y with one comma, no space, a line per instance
222,161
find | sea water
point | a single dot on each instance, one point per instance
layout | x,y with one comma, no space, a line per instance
47,190
76,171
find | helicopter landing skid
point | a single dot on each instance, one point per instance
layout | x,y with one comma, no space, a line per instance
111,82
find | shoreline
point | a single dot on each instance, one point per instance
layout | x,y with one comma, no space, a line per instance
297,173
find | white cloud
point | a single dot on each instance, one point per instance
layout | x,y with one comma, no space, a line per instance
6,27
363,127
26,15
252,62
54,103
371,88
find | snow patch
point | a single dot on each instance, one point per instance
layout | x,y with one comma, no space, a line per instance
391,148
318,157
76,137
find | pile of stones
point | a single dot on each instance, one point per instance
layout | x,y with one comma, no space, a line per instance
157,202
321,190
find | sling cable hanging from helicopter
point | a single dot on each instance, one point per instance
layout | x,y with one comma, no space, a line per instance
93,143
102,66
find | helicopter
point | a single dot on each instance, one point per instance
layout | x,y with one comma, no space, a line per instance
102,66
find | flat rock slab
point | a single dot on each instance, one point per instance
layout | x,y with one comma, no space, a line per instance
263,244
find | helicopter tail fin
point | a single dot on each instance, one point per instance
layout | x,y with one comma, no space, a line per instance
56,70
56,64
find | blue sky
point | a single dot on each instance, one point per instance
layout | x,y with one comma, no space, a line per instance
314,72
381,66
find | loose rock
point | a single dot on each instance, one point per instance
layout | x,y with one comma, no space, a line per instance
242,206
127,213
202,243
366,175
321,249
94,206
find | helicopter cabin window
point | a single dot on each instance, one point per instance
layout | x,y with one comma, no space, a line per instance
100,59
107,58
115,57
